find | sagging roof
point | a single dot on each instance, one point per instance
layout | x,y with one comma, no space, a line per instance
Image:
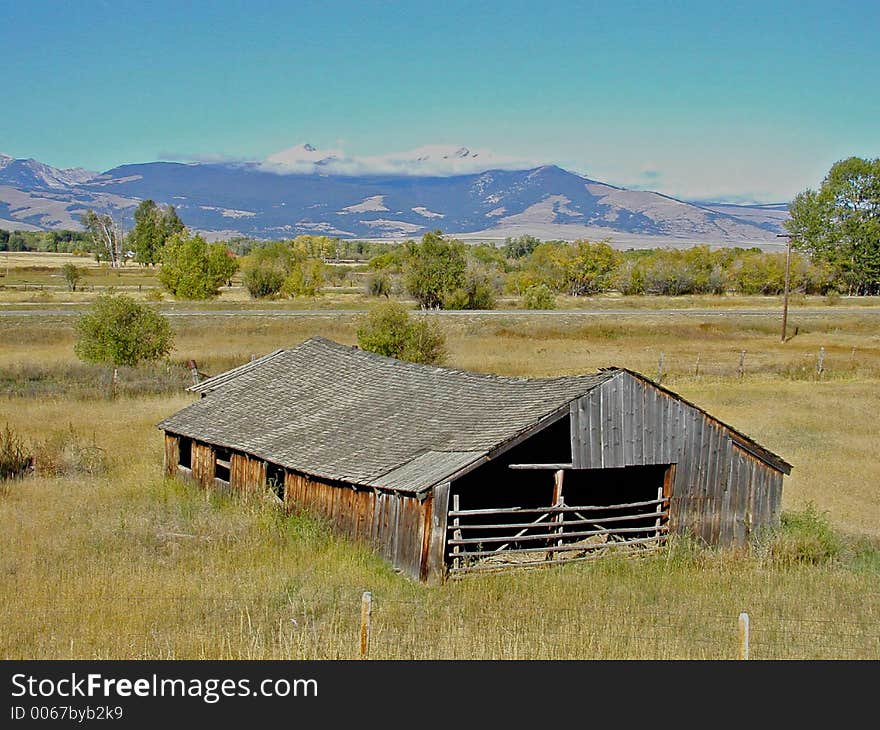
339,413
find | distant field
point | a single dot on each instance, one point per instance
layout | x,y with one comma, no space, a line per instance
130,565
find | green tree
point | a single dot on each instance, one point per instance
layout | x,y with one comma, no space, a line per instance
840,223
390,330
148,235
378,284
591,268
121,331
193,270
263,280
434,268
171,223
222,264
306,278
477,292
517,248
72,275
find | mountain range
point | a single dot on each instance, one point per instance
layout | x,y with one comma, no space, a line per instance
281,198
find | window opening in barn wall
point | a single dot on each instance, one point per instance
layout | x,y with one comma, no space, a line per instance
502,517
184,452
222,465
275,480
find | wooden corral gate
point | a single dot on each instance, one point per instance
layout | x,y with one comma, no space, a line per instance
493,539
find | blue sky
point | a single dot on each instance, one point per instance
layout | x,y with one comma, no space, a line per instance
746,100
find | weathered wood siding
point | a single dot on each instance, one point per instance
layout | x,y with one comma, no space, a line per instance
172,454
397,526
203,462
247,475
721,492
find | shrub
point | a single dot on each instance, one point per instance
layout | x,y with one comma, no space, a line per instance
390,330
191,269
121,331
378,285
668,275
630,278
67,454
72,274
539,296
804,537
306,278
263,280
591,268
14,457
478,292
434,268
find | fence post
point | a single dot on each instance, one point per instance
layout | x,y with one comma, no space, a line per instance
660,369
697,367
820,363
366,614
456,534
114,380
742,364
744,635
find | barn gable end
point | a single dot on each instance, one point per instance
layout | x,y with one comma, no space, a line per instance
726,486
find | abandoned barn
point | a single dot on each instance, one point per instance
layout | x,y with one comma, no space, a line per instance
448,472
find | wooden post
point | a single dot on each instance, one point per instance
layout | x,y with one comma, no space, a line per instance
744,635
559,517
366,614
820,363
456,535
436,558
697,368
113,382
660,368
787,281
741,370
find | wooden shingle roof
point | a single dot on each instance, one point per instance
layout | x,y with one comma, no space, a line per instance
339,413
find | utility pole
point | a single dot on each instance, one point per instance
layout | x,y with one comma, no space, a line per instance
789,236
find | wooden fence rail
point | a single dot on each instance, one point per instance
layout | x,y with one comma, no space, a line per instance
541,510
581,521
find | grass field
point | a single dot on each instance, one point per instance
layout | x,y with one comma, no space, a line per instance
126,564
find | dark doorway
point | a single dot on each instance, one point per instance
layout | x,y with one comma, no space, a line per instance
184,452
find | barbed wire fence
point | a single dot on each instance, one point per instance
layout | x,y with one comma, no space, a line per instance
374,626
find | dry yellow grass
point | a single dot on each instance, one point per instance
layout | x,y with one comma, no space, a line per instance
129,565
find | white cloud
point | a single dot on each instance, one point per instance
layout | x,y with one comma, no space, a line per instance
439,160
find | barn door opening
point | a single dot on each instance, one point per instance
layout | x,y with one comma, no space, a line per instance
555,515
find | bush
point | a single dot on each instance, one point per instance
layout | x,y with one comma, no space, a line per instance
804,537
68,454
263,280
378,285
14,457
121,331
434,268
390,330
539,296
191,269
478,292
306,278
591,268
72,275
